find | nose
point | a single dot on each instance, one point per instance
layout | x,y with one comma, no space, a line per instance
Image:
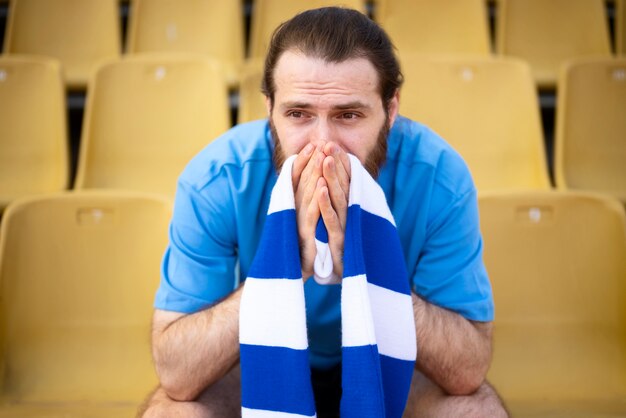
321,133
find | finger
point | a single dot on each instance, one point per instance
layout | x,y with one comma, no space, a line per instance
308,180
338,197
334,229
306,230
340,154
342,162
300,163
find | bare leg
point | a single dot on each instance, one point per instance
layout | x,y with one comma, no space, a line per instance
427,400
221,400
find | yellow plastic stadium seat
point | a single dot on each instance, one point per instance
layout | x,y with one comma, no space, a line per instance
547,32
620,31
591,127
557,263
80,33
210,27
79,272
33,133
487,109
436,26
268,14
251,100
146,117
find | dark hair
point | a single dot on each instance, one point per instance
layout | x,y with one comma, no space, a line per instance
335,34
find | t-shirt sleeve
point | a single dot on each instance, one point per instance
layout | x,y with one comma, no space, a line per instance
198,267
450,271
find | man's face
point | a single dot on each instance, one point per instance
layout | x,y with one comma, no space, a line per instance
317,102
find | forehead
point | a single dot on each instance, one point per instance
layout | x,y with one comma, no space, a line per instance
299,75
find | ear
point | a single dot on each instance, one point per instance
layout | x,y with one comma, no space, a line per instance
268,106
394,107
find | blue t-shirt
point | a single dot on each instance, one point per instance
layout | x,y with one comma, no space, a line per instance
220,209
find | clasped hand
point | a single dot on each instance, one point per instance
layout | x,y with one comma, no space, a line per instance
321,182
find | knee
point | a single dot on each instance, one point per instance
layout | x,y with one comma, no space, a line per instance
487,403
429,401
153,411
177,409
159,405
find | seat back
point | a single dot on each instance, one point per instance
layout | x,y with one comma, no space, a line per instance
33,137
487,109
591,127
146,117
620,27
210,27
436,26
78,274
80,33
557,263
548,32
251,99
268,14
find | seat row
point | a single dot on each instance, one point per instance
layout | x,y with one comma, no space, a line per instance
148,115
146,118
84,33
78,272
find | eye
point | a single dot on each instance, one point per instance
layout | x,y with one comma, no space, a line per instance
349,115
295,114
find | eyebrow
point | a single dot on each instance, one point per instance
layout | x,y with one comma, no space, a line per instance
354,105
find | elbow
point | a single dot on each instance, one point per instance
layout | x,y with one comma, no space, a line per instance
467,381
176,387
178,392
464,386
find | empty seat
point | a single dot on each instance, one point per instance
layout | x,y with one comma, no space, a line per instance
33,137
436,26
251,100
268,14
591,127
487,109
547,32
558,268
80,33
210,27
146,117
78,274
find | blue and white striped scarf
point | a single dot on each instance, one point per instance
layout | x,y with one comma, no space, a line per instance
378,330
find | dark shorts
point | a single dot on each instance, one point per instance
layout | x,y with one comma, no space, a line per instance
327,391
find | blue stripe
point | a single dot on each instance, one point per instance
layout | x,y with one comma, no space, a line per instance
278,253
372,245
353,263
276,379
397,375
321,234
362,391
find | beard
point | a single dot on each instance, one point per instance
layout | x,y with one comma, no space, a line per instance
373,161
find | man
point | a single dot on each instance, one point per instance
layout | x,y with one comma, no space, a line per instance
332,87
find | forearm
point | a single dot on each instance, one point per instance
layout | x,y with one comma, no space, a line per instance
452,351
197,350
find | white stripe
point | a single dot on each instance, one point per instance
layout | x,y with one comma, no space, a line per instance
374,200
282,193
323,264
356,316
394,323
272,313
260,413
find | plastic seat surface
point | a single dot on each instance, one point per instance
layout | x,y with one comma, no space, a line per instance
487,109
33,137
